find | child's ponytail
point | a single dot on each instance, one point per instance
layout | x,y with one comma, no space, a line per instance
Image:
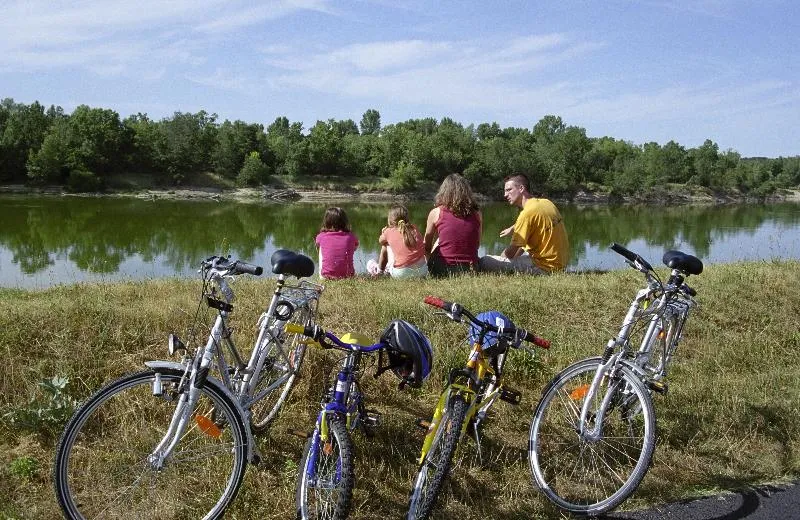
398,217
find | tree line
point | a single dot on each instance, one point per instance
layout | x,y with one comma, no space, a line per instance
81,150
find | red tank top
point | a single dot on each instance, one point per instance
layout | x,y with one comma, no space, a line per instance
459,238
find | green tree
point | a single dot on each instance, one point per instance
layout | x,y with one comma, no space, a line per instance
370,122
53,161
24,128
148,141
188,143
97,140
234,141
253,172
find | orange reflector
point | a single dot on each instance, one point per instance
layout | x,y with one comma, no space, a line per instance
661,335
327,449
579,393
208,426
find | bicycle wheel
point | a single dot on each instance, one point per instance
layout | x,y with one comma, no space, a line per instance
591,474
436,466
102,467
325,483
280,372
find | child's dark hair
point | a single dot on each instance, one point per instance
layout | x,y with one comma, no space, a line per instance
335,219
398,217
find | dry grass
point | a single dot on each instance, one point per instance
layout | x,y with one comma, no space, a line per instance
729,419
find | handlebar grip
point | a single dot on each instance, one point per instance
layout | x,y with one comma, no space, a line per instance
536,340
437,302
245,268
627,253
294,328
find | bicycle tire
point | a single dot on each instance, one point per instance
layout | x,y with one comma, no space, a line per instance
101,467
427,487
264,411
591,477
335,469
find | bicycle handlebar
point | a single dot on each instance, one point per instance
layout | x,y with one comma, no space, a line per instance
631,256
235,268
328,339
456,310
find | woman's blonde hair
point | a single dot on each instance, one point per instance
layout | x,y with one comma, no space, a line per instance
456,195
398,217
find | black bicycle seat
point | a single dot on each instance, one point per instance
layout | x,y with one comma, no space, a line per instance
290,263
682,262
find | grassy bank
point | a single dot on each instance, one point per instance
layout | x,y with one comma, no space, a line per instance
729,419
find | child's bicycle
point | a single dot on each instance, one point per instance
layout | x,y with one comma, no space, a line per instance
464,403
325,481
593,432
172,441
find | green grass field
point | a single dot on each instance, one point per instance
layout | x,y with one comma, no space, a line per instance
730,417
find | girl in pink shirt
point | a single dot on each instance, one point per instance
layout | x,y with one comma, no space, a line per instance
336,244
402,246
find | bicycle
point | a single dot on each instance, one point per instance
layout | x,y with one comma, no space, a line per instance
593,433
326,476
172,441
465,401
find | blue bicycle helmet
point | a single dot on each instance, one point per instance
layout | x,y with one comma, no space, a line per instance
491,342
410,353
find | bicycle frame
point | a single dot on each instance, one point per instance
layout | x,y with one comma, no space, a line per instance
479,397
668,311
345,398
239,386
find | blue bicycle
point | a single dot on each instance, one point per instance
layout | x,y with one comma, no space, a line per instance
325,482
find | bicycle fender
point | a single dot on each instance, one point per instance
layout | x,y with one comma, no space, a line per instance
172,366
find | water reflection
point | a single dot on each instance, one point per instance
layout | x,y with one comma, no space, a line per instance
44,240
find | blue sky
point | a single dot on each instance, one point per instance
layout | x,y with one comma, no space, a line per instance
642,71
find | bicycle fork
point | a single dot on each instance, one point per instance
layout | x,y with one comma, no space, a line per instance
436,420
188,397
595,433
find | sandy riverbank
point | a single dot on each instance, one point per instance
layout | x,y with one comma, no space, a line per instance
668,197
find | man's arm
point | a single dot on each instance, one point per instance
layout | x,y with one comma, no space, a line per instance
511,252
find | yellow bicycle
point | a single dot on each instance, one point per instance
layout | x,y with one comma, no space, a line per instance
464,403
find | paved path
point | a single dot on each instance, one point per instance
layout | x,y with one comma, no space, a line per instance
769,502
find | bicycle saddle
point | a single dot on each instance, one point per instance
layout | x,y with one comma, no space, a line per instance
681,261
287,262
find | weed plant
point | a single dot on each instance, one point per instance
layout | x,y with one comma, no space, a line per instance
728,420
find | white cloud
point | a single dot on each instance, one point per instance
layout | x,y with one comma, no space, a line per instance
452,74
523,79
246,16
222,79
114,36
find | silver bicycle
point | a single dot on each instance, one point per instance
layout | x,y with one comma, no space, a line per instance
173,441
594,430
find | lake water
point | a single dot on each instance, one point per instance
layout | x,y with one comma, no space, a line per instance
53,240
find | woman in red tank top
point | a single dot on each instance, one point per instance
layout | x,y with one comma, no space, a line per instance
456,223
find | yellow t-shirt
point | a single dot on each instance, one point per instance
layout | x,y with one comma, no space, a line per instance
540,231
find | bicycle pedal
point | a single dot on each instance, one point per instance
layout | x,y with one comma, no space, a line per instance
510,396
658,386
371,418
422,424
299,433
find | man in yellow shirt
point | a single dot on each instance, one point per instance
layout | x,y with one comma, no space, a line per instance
539,231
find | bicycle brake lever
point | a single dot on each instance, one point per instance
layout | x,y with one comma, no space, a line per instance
450,315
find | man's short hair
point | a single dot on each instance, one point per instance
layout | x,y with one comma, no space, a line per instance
519,178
